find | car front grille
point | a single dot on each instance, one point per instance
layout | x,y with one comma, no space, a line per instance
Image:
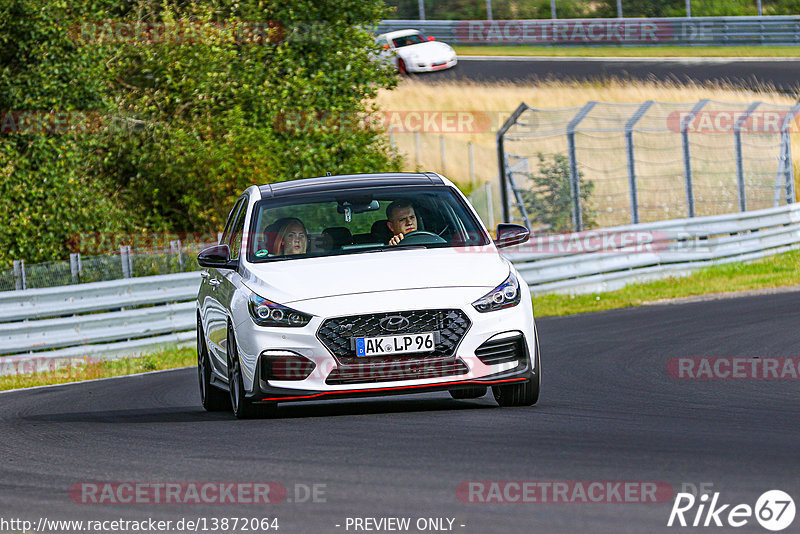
493,352
398,369
337,333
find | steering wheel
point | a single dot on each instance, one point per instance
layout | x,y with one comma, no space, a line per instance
421,237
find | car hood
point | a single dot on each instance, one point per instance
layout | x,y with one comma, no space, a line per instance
430,50
311,278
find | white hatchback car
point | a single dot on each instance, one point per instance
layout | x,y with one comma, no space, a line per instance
412,52
361,285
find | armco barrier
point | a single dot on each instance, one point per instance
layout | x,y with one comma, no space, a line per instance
771,30
678,247
40,328
107,319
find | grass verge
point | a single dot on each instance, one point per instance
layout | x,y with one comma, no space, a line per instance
780,270
79,370
629,51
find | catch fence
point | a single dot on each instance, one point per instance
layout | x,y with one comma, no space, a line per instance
177,257
609,164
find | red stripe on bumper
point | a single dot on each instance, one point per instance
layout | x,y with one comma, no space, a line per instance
477,382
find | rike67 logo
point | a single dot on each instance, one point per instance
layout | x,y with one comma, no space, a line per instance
774,510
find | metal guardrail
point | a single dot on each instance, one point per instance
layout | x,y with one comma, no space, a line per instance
642,252
41,327
771,30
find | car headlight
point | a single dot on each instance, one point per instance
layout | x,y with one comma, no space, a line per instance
267,313
503,296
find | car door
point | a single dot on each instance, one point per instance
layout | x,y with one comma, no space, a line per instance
215,316
230,280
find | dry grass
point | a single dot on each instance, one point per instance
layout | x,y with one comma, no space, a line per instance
499,100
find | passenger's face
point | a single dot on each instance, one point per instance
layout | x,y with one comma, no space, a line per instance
403,221
295,240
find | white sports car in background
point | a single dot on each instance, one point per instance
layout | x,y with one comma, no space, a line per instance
363,285
413,52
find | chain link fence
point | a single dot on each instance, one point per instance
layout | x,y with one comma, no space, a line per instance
607,164
81,269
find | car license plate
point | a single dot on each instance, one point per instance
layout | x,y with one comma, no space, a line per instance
401,344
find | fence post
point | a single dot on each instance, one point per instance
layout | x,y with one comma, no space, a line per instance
501,157
176,248
442,152
737,132
687,155
19,274
577,218
471,164
789,166
416,150
125,259
631,166
489,205
75,267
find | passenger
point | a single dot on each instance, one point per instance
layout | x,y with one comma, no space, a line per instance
291,238
402,220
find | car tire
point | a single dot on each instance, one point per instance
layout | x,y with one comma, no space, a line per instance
242,407
401,67
522,394
468,393
212,398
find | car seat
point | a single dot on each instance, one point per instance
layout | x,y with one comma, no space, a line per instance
338,236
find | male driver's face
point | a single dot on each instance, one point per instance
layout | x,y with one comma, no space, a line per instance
403,221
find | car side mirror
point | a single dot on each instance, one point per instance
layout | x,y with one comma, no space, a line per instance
511,234
386,47
431,38
218,256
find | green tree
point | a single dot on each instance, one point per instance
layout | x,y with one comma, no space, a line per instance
549,202
46,197
212,112
188,120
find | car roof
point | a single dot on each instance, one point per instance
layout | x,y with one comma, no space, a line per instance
399,33
348,181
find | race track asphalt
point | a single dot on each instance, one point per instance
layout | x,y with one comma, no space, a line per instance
781,74
609,411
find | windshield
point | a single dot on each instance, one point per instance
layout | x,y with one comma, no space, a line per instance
361,220
406,40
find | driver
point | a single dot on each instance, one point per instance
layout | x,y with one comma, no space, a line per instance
402,220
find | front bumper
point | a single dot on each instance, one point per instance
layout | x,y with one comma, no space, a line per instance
269,394
425,66
255,343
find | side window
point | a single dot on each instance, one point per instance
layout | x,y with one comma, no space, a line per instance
226,235
238,230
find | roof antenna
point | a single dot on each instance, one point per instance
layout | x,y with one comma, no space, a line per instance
328,173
